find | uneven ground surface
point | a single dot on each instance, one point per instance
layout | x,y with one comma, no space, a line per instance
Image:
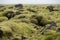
29,22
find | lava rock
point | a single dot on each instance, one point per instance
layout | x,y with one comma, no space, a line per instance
9,14
17,13
31,10
1,33
58,29
23,38
19,6
50,8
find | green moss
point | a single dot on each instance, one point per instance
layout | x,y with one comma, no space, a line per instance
29,24
3,19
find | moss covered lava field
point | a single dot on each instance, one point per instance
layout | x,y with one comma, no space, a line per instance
29,22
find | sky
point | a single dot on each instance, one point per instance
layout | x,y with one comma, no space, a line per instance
29,1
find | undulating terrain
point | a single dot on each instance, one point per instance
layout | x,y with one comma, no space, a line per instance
29,22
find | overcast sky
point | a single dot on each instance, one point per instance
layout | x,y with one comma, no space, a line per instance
30,1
